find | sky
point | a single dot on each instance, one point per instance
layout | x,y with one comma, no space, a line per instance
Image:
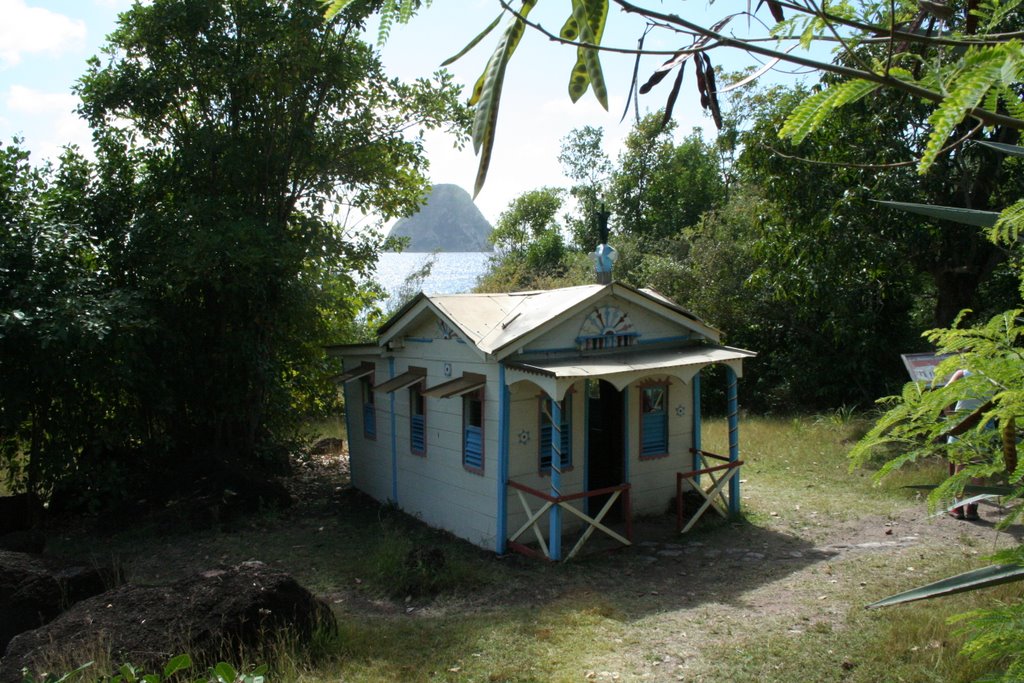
44,45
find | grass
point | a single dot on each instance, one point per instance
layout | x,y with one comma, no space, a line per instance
712,614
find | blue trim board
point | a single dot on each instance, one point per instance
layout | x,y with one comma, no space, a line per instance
504,414
394,437
552,350
419,340
660,340
732,392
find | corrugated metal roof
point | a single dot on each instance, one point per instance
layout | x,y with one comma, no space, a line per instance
635,360
493,320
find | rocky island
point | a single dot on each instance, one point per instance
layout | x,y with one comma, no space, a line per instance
447,221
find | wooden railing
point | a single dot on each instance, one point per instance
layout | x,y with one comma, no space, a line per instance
549,501
714,497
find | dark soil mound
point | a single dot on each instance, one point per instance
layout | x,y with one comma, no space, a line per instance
207,615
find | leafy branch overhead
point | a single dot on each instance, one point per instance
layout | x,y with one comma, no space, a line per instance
965,59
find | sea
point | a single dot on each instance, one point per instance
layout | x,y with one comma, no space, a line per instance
450,272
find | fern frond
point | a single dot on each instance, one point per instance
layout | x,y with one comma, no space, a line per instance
969,87
810,113
1010,226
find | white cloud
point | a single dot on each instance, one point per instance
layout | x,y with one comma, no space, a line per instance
32,30
47,120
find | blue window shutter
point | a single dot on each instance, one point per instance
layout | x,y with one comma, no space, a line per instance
369,421
654,421
473,448
417,434
655,434
566,441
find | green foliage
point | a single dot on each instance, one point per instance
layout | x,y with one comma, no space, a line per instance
913,426
585,163
391,12
811,113
486,95
175,670
659,186
185,284
528,241
66,329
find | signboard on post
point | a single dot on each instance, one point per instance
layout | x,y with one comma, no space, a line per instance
921,366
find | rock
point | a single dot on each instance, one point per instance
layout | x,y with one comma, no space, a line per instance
35,589
447,221
327,446
19,512
205,615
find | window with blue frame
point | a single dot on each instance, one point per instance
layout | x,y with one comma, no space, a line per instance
545,431
473,430
417,420
369,408
654,421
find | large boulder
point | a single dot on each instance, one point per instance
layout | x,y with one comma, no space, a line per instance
35,589
208,615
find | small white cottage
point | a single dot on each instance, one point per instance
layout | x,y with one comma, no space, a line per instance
521,418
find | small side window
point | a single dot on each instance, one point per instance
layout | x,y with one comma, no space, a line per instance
473,431
653,421
369,408
417,420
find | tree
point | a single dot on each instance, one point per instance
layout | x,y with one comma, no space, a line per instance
584,161
65,329
659,187
226,131
530,249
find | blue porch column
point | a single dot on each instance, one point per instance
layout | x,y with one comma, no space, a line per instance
732,393
504,414
555,514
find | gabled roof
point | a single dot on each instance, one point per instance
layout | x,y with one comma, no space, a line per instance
497,324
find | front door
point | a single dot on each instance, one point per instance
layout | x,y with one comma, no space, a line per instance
605,445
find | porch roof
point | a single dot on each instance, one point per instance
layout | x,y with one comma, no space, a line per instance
622,368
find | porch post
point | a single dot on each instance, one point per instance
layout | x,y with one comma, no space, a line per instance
503,431
394,436
696,424
555,514
732,393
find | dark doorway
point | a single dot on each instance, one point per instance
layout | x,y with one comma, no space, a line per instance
605,445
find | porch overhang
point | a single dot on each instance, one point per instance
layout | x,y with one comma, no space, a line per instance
470,381
362,370
406,379
556,375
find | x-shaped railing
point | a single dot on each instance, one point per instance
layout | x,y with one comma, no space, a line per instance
714,495
533,517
